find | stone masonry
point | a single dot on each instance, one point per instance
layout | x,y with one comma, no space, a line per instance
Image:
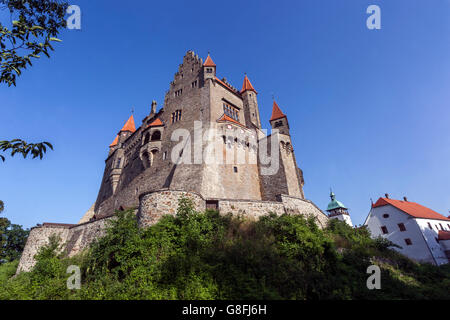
150,167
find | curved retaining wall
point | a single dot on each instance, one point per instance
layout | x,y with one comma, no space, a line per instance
152,206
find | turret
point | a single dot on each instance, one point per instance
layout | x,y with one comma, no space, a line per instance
209,69
337,210
250,103
278,120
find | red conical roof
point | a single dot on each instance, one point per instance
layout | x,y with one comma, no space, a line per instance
276,112
129,125
114,143
209,62
247,85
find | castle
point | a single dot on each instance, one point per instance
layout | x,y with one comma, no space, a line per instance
207,143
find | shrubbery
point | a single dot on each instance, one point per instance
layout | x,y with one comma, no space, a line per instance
209,256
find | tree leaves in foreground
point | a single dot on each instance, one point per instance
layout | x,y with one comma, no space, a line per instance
35,24
24,148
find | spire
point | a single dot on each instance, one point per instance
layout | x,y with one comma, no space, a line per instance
247,85
129,125
209,62
276,112
114,143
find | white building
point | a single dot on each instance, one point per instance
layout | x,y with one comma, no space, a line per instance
337,210
423,234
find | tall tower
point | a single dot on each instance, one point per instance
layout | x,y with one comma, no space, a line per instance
209,69
289,173
337,210
250,103
278,120
115,161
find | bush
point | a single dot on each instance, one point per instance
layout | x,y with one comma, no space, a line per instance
195,255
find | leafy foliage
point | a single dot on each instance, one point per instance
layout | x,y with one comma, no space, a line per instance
195,255
24,148
12,240
37,25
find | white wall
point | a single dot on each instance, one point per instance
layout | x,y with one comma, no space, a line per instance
419,249
431,234
345,218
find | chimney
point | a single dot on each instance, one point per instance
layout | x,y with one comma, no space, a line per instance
386,195
405,199
153,107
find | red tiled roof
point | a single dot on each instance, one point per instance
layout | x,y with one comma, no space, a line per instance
443,235
209,62
413,209
129,125
227,118
247,85
276,112
225,85
114,143
156,123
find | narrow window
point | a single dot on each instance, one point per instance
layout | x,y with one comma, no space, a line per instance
385,216
165,155
384,230
408,242
118,163
442,228
235,169
430,226
402,227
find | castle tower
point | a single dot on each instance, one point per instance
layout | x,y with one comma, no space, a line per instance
250,103
209,69
289,178
278,120
337,210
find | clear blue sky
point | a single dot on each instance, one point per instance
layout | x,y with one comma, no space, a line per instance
368,109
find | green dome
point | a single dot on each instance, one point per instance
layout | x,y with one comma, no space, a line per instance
334,204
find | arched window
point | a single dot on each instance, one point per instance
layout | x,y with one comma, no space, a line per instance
147,138
156,136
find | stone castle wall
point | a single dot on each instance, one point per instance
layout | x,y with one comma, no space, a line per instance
153,206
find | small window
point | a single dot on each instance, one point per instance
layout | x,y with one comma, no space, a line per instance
212,204
278,124
165,155
235,169
442,228
402,227
118,163
209,70
430,226
385,216
384,230
408,242
194,84
176,116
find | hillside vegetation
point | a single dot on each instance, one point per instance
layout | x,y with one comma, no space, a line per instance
205,255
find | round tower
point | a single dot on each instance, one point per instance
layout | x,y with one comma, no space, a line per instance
337,210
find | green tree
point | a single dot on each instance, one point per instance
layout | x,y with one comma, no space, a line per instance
35,24
12,240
